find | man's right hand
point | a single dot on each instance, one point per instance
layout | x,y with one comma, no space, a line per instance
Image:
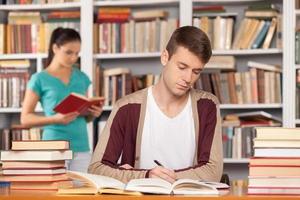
163,173
65,118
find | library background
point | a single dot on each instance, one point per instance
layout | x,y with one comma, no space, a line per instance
254,71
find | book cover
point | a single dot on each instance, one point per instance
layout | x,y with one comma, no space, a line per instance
277,152
267,181
274,190
40,185
40,145
275,161
32,164
35,178
36,155
278,133
77,103
34,171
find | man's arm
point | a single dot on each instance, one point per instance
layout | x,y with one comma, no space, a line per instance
213,169
110,147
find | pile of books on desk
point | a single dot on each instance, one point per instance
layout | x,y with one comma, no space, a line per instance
37,165
275,167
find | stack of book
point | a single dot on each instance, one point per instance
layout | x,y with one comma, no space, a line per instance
275,167
36,165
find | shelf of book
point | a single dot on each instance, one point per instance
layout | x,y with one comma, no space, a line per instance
19,7
235,160
136,3
297,66
297,12
297,121
250,106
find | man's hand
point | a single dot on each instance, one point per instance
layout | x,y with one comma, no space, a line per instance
126,166
65,118
163,173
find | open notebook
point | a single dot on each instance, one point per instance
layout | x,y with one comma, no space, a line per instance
96,184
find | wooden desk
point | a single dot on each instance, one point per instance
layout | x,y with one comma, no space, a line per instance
44,195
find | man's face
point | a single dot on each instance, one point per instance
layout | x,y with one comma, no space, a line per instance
181,71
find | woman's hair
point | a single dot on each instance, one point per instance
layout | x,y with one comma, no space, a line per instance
61,36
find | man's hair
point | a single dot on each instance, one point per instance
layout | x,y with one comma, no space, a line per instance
192,38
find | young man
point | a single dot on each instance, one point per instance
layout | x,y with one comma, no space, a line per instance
170,122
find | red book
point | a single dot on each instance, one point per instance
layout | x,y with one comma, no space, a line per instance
77,103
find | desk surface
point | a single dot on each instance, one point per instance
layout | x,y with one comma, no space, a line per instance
44,195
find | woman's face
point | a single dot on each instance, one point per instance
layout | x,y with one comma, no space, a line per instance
66,55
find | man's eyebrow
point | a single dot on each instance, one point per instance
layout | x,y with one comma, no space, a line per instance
182,63
186,65
198,69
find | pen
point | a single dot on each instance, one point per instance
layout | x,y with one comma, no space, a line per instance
158,163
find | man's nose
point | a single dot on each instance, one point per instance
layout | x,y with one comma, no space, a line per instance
188,76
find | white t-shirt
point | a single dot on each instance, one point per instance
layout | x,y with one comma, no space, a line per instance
171,141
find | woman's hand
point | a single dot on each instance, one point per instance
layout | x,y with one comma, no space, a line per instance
65,118
96,111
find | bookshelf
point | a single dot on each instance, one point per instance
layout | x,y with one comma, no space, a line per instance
39,7
141,63
295,21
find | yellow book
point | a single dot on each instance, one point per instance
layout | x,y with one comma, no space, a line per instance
270,34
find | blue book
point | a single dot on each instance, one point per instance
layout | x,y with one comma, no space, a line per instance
261,36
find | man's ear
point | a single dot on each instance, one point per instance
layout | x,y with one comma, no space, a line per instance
164,57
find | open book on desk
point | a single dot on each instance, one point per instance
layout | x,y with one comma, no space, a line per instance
84,183
96,184
181,186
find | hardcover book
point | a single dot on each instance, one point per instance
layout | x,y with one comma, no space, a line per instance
77,103
40,145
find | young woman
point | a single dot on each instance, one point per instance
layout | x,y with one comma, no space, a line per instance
52,85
